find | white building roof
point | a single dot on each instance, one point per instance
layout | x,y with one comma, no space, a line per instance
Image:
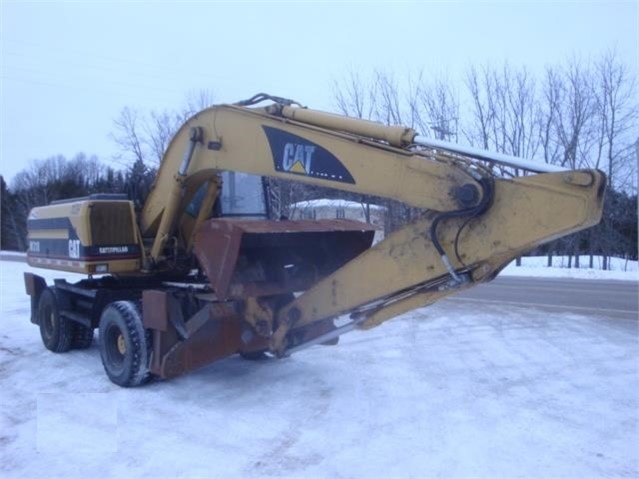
333,203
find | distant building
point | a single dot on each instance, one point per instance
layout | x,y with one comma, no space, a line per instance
340,209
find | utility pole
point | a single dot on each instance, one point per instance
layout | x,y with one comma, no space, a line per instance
443,132
637,153
637,190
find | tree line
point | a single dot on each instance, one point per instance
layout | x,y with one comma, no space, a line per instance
582,114
57,178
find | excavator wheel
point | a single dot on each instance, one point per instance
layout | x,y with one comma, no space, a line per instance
125,346
56,330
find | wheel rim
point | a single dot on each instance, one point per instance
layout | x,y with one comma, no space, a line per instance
115,346
121,345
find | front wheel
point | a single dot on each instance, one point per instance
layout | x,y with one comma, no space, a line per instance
124,346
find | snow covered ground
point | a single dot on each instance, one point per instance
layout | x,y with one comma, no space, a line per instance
618,269
454,390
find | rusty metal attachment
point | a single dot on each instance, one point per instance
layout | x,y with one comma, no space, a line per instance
254,268
244,258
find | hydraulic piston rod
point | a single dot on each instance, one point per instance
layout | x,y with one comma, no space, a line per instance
490,156
175,195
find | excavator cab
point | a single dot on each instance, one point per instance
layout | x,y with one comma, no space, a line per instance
243,196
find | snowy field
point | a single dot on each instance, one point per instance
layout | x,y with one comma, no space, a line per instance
454,390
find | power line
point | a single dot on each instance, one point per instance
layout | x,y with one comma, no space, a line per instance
21,70
70,55
76,87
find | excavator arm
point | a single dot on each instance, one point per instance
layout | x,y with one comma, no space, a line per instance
474,223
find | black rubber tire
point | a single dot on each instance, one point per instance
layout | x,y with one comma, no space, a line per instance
124,344
81,336
55,330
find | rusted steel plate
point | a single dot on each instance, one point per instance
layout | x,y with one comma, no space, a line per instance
216,334
155,311
297,226
275,256
216,247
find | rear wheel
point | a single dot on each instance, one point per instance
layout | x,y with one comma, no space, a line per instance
124,345
55,330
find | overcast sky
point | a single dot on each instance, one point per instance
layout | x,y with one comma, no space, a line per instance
68,68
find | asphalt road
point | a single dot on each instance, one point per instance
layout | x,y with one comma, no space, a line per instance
613,299
608,298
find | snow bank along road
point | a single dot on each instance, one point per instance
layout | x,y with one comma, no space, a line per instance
465,388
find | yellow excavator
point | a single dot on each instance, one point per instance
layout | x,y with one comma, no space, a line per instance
200,272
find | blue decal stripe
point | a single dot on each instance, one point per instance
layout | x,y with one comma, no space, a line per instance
299,156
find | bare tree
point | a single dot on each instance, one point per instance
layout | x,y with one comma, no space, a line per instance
589,113
480,86
159,128
388,107
37,183
145,137
128,136
566,125
436,107
615,120
53,178
549,107
504,112
616,113
522,125
355,97
574,120
197,100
